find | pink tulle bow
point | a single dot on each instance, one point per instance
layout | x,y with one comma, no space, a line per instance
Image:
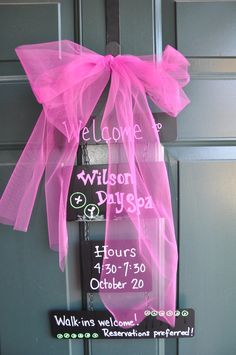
68,80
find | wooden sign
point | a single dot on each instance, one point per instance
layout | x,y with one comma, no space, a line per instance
119,261
101,325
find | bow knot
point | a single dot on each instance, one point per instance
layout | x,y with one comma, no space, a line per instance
108,59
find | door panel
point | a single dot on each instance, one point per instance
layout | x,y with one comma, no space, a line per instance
19,110
205,151
31,283
137,31
17,19
207,254
23,22
207,28
212,110
136,26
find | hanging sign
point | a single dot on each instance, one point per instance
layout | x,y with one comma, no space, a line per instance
92,133
102,325
87,193
121,264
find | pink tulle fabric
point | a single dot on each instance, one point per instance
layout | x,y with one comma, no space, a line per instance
68,80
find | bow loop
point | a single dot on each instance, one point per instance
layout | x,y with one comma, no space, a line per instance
166,80
174,63
67,79
55,67
163,78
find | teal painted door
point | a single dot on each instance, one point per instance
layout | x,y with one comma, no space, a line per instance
201,166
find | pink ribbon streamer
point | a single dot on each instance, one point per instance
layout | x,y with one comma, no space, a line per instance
68,80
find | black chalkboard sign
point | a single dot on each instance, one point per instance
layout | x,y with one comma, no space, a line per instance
102,325
165,125
88,196
121,272
83,201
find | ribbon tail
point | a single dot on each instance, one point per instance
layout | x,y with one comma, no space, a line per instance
18,199
158,225
146,219
62,157
57,179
